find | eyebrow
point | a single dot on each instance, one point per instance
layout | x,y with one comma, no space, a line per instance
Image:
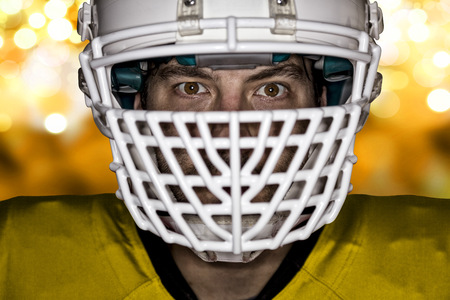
285,70
182,71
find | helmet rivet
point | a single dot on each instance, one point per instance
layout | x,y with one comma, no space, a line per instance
189,2
282,2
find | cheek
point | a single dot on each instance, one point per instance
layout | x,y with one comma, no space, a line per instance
293,102
167,101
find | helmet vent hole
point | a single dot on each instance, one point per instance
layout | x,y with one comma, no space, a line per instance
138,164
123,126
321,183
300,127
143,128
325,125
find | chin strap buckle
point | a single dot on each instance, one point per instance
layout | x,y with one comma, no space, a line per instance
376,25
189,14
87,22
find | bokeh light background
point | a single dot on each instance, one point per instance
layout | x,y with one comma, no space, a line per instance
49,143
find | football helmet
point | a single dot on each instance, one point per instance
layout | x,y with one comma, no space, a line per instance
125,35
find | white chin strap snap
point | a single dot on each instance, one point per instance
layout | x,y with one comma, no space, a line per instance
203,233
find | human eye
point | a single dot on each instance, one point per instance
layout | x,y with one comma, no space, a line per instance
191,88
271,90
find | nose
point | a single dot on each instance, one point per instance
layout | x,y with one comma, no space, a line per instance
232,100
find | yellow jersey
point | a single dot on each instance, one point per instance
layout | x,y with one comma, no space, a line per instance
88,247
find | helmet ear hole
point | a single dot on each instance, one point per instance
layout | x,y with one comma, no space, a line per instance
338,92
336,75
126,80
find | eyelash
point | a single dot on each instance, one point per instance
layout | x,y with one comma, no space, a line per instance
192,89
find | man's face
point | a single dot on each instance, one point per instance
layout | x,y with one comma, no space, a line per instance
174,87
286,85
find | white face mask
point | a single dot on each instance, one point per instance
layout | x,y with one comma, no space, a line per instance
203,233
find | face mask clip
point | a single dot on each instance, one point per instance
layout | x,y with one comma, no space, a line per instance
283,12
188,16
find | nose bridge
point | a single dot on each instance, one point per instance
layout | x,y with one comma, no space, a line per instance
232,96
231,100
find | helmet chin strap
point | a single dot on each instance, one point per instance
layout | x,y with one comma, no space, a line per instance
202,232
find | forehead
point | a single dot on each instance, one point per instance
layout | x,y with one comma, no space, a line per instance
295,65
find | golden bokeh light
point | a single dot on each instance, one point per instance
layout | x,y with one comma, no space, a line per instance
439,100
395,80
417,16
9,69
52,53
386,105
55,123
75,37
427,74
389,5
25,38
441,59
1,41
37,20
419,33
11,7
5,122
42,81
55,9
60,29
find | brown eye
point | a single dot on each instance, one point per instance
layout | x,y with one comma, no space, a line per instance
191,88
271,90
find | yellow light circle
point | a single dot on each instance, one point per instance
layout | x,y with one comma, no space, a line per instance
439,100
419,33
441,59
394,53
393,34
55,9
9,69
386,105
75,37
11,7
26,3
60,29
389,4
25,38
1,42
417,16
68,3
427,74
389,55
400,80
5,122
55,123
394,80
42,81
37,20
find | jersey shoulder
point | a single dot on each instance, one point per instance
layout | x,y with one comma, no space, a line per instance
79,247
381,247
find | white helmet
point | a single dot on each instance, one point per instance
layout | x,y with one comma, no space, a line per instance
124,34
